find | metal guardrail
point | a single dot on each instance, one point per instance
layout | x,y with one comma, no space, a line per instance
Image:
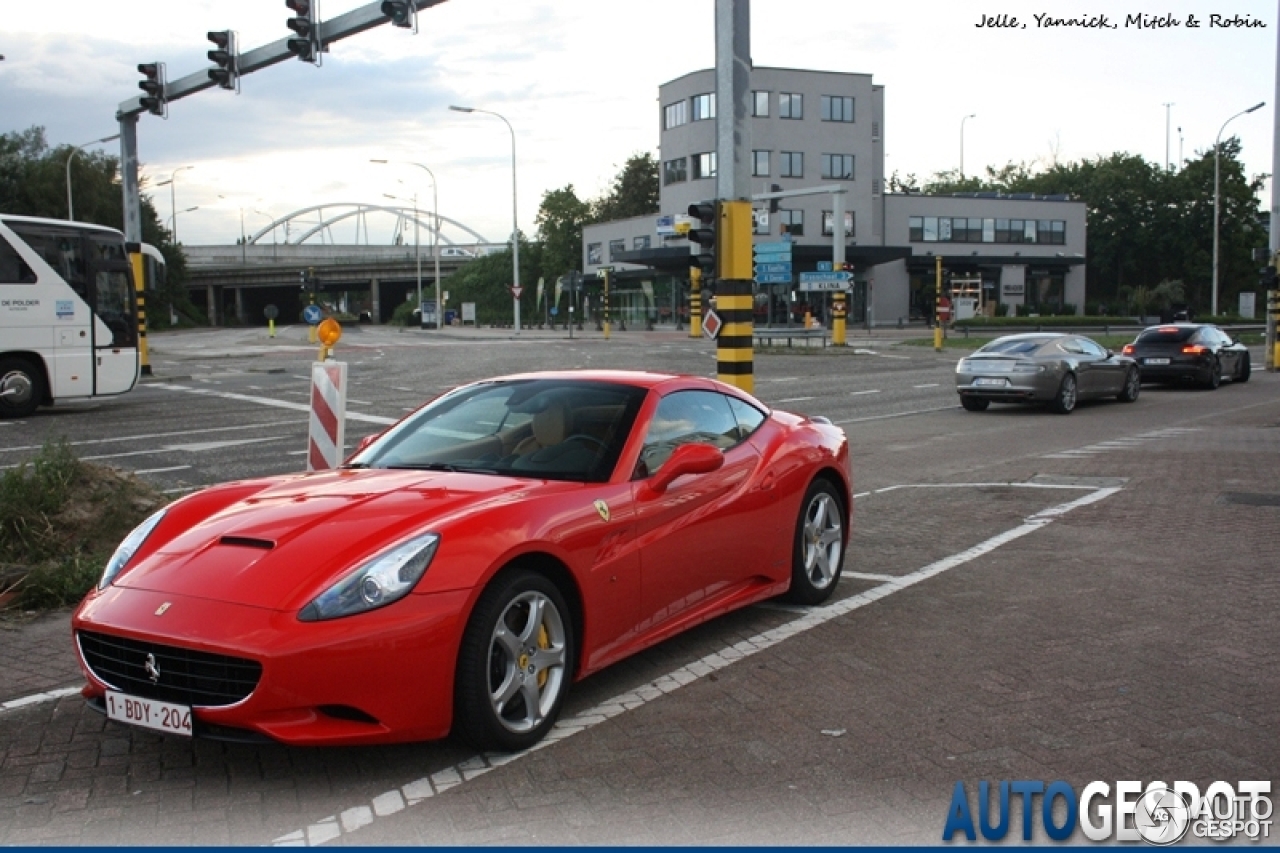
791,335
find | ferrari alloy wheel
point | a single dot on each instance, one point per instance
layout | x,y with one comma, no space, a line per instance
974,404
21,388
1214,379
819,545
1064,402
1132,386
515,664
1246,368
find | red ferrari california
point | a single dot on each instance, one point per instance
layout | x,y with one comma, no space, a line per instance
464,567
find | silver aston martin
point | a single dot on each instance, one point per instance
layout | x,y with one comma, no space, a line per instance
1047,368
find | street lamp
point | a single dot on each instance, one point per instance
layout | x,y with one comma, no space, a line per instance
243,252
1217,145
435,241
74,151
173,201
515,221
422,314
962,121
272,221
174,216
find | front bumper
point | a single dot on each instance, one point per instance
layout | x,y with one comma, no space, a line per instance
377,677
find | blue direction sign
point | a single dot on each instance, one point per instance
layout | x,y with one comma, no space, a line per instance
773,257
773,267
824,266
312,314
773,278
818,281
773,263
783,246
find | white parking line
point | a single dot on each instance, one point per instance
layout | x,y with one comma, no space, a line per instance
162,470
397,799
860,393
279,404
895,415
797,399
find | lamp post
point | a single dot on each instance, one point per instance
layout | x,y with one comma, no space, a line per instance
1217,145
962,121
435,241
272,220
174,216
422,314
173,199
515,221
243,252
1166,134
74,151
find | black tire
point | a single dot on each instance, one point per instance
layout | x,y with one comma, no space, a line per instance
817,554
21,387
1246,368
1132,386
974,404
517,652
1064,402
1214,379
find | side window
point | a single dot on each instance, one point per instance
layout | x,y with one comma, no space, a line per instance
748,416
687,417
13,269
61,250
1091,348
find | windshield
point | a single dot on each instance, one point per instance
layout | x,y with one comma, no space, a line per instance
545,428
1166,334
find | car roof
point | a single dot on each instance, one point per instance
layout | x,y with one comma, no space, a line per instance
645,379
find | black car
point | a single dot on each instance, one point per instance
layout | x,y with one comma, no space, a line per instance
1189,352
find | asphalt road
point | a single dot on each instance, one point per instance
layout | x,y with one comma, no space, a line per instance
1027,596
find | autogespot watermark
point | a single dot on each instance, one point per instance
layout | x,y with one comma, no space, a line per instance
1158,813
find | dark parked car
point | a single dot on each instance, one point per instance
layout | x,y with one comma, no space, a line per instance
1044,368
1189,352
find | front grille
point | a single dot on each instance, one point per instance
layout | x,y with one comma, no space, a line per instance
186,677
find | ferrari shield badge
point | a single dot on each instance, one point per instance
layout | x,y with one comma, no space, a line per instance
163,607
603,509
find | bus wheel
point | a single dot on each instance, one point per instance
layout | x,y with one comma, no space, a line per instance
21,388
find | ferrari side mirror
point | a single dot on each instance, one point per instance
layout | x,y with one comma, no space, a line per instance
686,459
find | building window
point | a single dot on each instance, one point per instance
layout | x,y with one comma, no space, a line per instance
760,104
676,114
616,247
837,108
760,164
704,106
1059,232
837,166
675,171
704,165
988,230
790,105
944,229
640,242
791,164
594,255
829,218
915,229
930,229
792,221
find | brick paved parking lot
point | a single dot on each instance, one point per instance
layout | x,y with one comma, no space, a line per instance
1132,637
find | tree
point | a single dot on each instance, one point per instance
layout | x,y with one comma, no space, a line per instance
634,191
560,219
33,182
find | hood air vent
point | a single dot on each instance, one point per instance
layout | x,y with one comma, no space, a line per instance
247,542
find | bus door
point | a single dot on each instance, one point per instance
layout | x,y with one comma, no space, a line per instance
115,326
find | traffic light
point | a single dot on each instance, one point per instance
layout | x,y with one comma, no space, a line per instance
154,101
307,45
774,202
225,55
703,235
403,13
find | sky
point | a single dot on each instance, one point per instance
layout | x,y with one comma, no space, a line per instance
578,82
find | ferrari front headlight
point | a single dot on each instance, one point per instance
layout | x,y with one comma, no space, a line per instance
387,577
124,553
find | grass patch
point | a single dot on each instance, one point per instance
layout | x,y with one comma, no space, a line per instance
60,519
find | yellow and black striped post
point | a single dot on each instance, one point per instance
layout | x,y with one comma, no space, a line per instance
734,356
838,318
937,304
695,302
138,261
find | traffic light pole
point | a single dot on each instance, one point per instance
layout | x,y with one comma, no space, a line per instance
348,24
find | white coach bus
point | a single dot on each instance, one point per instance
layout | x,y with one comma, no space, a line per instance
68,313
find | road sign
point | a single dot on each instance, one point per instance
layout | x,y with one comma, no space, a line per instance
824,281
823,286
824,266
312,314
773,257
516,291
773,267
773,278
782,246
666,224
711,324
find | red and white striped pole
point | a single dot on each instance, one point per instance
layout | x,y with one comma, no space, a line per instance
326,434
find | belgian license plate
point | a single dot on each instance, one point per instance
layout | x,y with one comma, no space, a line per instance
1156,361
149,713
990,381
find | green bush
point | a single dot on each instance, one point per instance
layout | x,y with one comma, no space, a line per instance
1022,321
60,519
